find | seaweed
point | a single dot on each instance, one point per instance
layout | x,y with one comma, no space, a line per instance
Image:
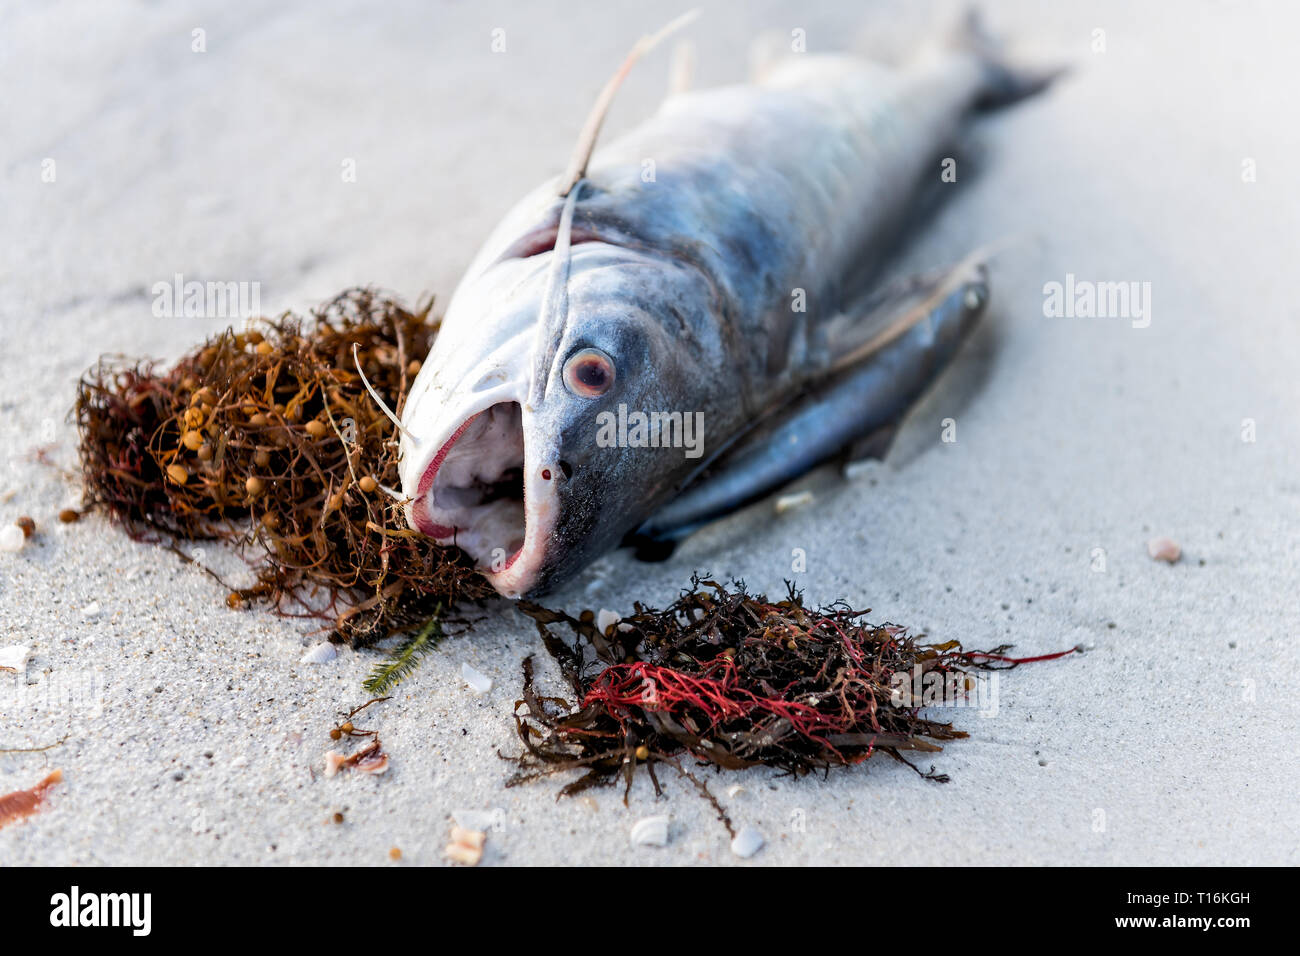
733,680
266,438
406,659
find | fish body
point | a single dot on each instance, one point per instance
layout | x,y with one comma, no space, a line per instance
712,263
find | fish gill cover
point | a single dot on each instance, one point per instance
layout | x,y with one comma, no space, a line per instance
266,439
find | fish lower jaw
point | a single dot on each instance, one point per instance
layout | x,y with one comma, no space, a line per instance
471,495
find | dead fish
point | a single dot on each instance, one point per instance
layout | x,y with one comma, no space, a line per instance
710,267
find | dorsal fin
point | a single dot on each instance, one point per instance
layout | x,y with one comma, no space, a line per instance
586,144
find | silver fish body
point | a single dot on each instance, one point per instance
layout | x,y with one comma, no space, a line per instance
716,259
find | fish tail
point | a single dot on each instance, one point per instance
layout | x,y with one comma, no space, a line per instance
1005,79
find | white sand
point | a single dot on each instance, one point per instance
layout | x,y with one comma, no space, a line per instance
194,736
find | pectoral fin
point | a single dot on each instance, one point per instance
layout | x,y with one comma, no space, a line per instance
885,357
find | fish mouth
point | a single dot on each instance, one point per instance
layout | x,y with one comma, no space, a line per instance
476,494
543,239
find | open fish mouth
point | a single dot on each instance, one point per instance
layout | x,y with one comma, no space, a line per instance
475,494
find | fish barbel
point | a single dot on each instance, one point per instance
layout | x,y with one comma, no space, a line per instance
710,268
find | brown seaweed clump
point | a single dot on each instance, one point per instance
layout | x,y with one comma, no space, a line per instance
267,438
734,680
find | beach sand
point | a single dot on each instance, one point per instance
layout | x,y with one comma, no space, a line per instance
190,734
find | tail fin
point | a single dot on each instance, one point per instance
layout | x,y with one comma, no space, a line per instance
1006,79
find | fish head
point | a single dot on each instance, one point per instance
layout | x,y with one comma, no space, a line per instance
515,451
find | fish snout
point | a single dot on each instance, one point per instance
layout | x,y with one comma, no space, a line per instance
484,491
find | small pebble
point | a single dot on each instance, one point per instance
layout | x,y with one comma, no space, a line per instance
650,831
856,469
747,842
790,502
69,515
1164,549
91,610
478,682
395,854
12,538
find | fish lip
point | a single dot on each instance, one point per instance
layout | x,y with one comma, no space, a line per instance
522,570
417,511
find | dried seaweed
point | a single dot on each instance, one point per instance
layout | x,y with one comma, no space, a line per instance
266,438
733,680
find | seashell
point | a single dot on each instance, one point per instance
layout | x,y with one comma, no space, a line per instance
14,658
1164,549
650,831
333,760
319,653
466,846
374,763
478,682
604,618
747,842
90,611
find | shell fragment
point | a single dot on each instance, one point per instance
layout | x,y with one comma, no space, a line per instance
466,846
478,682
319,653
650,831
14,658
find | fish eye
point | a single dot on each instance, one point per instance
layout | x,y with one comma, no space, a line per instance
588,373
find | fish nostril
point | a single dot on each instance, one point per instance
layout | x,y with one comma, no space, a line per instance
566,468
